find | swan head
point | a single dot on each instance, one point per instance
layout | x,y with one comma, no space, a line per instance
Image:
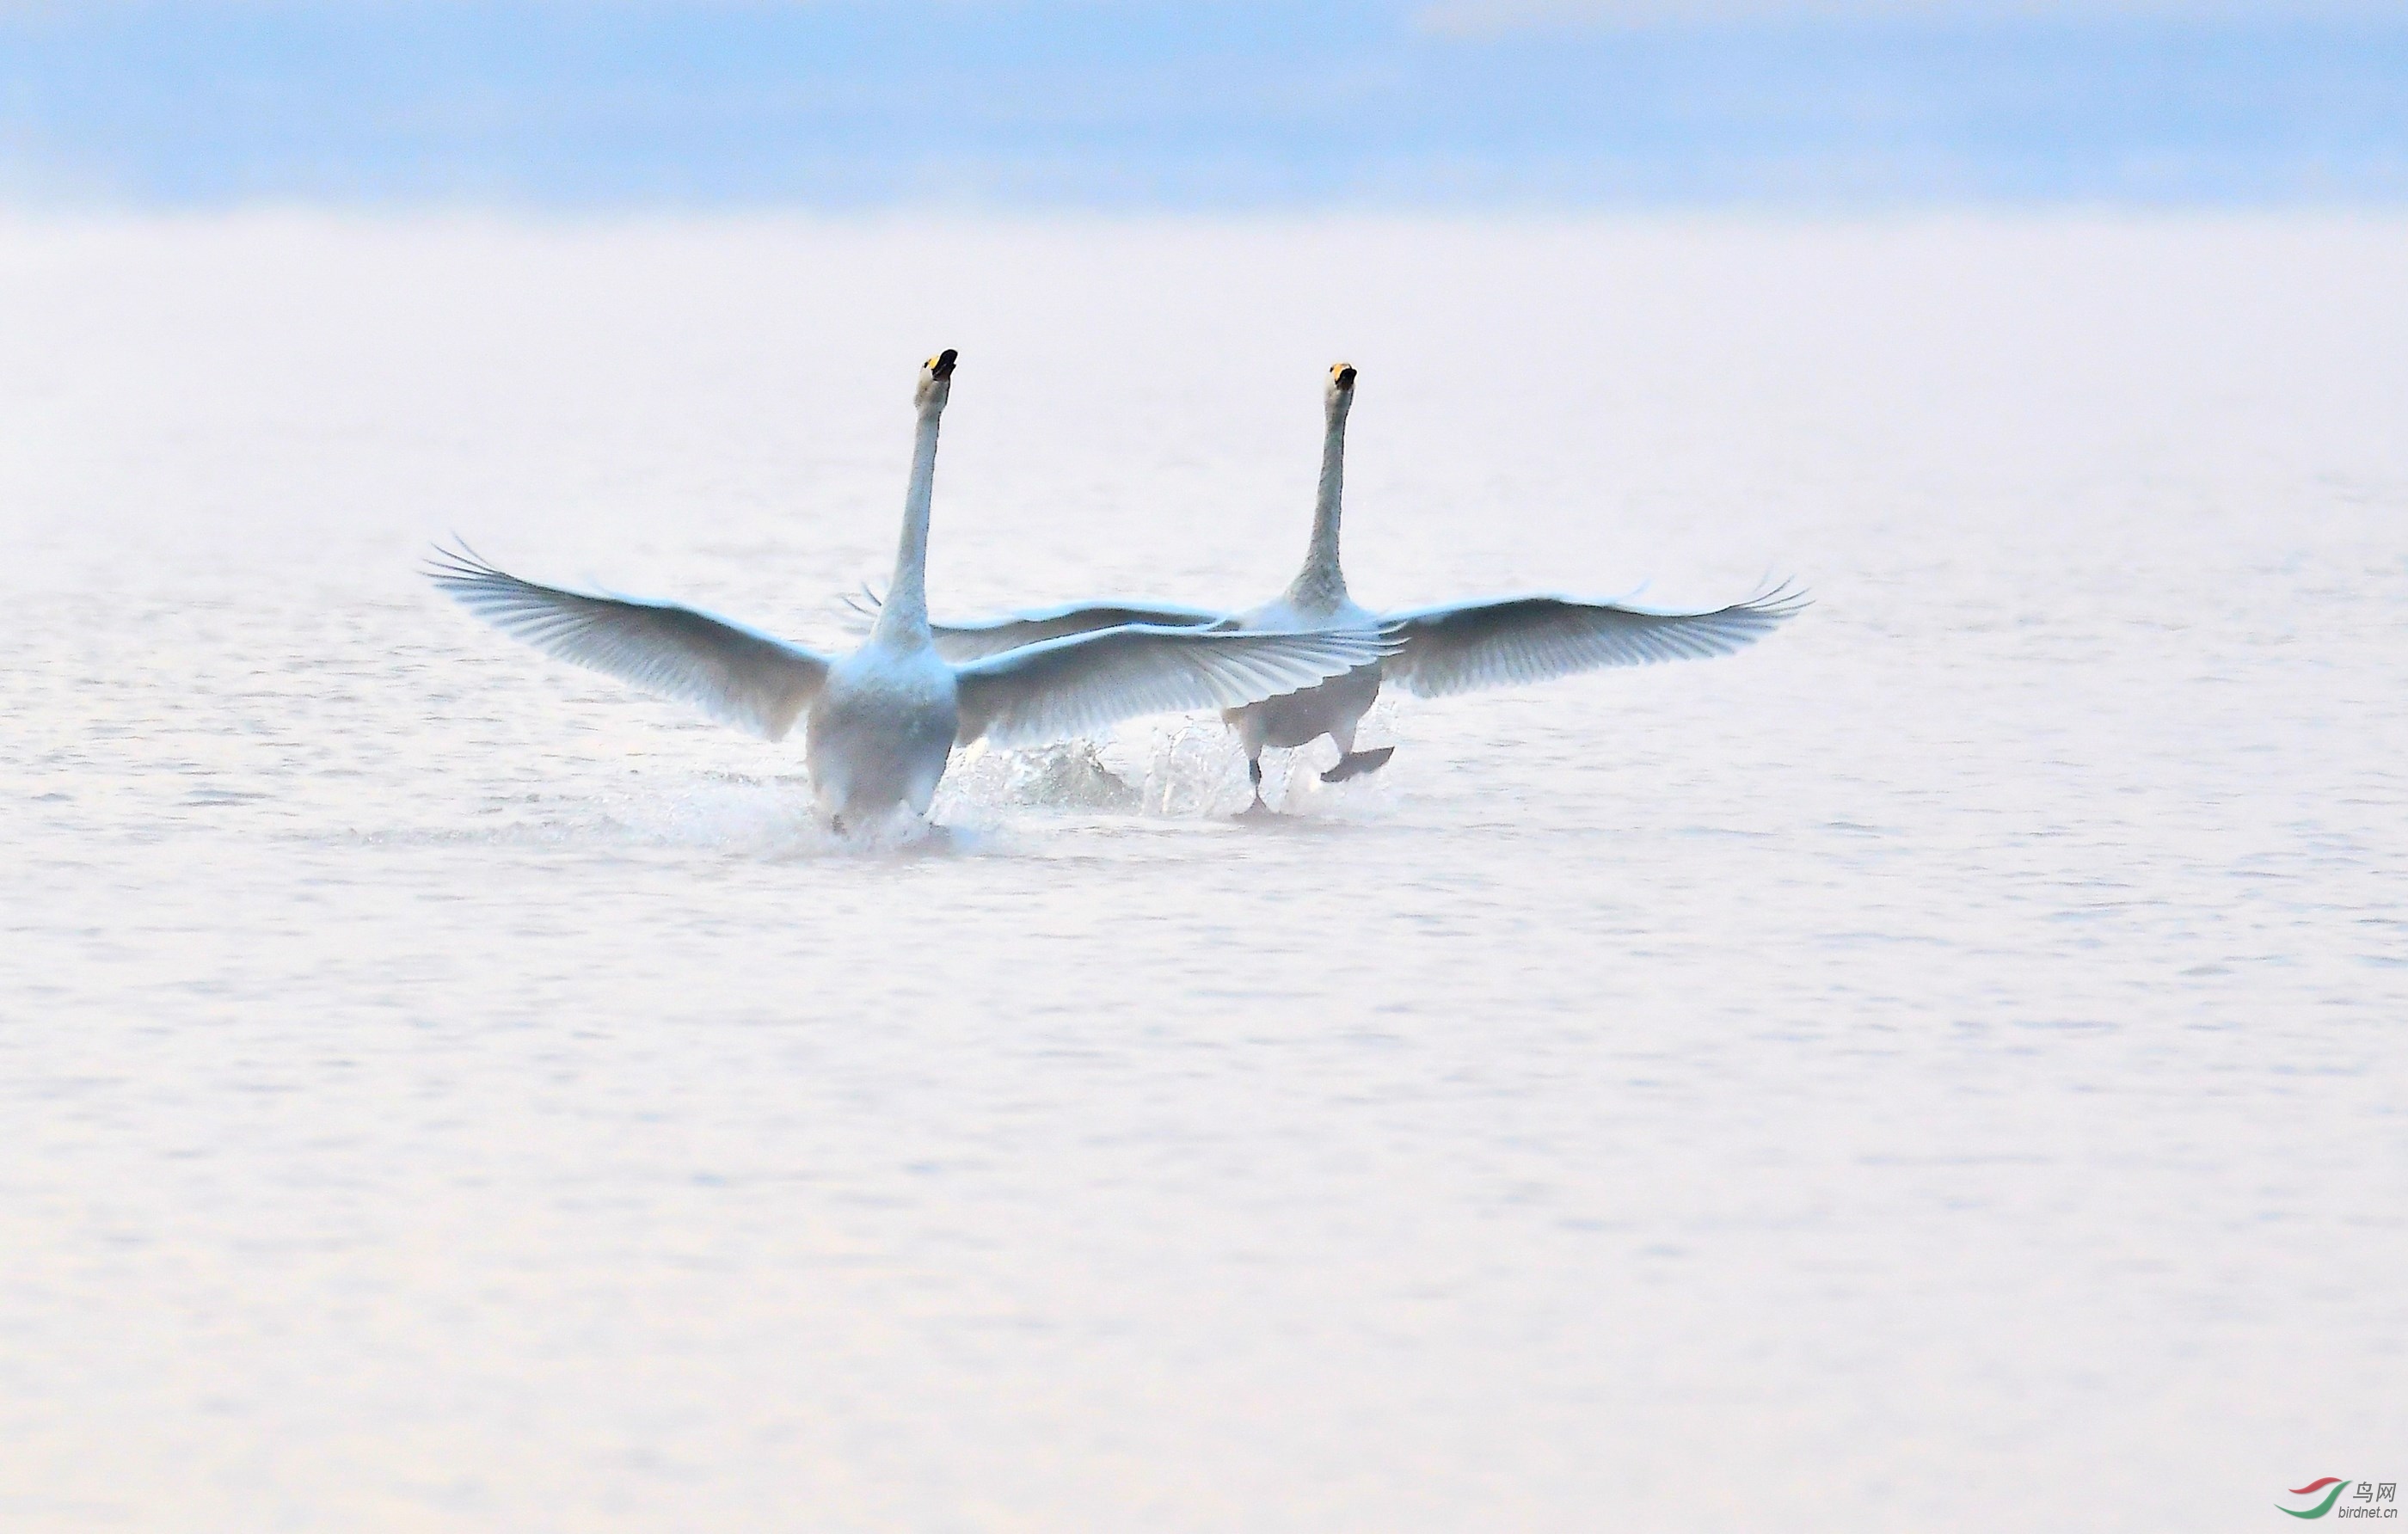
936,382
1339,397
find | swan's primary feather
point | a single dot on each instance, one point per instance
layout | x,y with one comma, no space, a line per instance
1083,684
735,674
977,637
1506,641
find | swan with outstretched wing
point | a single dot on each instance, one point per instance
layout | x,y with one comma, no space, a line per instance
880,722
1455,646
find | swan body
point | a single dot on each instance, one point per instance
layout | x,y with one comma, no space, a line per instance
1333,707
879,723
1435,651
881,730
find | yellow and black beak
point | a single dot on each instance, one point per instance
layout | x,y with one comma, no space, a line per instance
940,366
1342,374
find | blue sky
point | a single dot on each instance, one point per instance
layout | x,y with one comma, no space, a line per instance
579,104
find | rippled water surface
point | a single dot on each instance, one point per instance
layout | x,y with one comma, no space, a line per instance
1940,1069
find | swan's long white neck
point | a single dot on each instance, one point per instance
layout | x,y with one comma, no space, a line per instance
1321,582
904,617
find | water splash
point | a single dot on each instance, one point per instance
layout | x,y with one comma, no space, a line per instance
1194,767
1068,775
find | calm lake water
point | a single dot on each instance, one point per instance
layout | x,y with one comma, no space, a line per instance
1943,1067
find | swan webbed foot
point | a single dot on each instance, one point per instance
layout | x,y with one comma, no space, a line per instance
1353,764
1259,810
936,838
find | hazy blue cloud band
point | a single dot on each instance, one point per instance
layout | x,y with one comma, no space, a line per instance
1194,106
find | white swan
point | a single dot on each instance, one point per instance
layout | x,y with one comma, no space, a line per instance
1456,647
881,720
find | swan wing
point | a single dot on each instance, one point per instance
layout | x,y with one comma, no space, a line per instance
737,675
1464,646
1083,683
974,639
